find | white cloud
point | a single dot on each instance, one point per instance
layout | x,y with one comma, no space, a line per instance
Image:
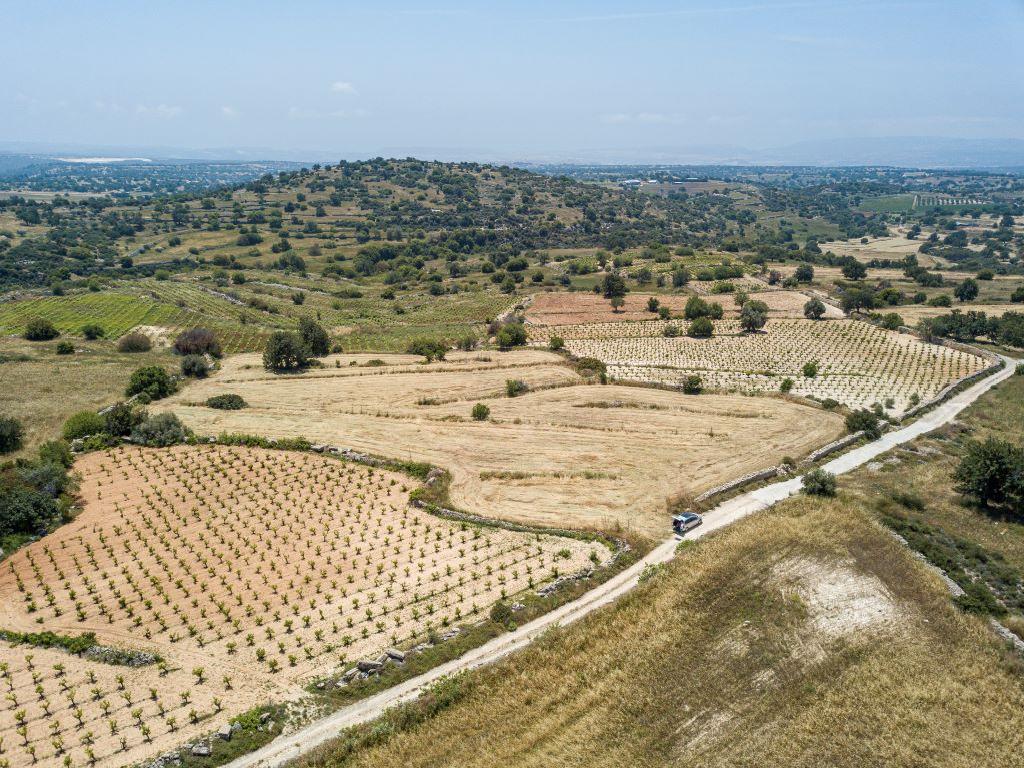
228,112
342,86
163,111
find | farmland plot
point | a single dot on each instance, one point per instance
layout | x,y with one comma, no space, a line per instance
249,572
858,364
565,453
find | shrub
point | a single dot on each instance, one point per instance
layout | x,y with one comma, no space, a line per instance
591,366
810,369
226,402
121,419
501,613
197,341
431,349
814,309
892,321
40,329
511,335
556,343
701,328
786,385
83,424
284,352
56,452
468,342
481,412
670,331
150,380
818,482
160,431
693,384
804,273
314,337
194,366
515,387
864,421
11,434
134,342
65,348
93,331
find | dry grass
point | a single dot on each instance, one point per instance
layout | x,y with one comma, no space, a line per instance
804,636
45,389
611,464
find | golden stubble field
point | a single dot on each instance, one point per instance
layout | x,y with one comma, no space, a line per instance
566,453
250,572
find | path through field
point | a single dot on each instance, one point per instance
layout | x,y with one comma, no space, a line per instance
291,746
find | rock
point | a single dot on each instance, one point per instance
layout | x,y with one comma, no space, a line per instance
236,727
395,654
225,731
321,685
264,717
351,673
365,665
517,606
382,659
201,749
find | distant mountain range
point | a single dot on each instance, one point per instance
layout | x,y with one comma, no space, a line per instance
904,151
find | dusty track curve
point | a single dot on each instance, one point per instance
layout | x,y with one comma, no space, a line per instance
293,745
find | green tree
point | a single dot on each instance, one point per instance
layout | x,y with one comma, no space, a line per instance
285,352
11,434
701,328
613,285
967,290
40,329
511,335
814,309
865,421
753,316
992,472
804,273
818,482
315,338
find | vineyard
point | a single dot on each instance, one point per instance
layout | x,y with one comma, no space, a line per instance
566,452
249,572
855,363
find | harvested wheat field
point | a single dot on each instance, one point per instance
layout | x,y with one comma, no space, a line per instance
565,453
857,364
249,572
553,309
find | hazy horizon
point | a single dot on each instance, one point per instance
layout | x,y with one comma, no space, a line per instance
525,82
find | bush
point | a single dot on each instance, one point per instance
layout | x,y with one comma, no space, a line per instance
468,342
226,402
864,421
93,331
151,381
56,452
810,369
818,482
515,387
160,431
314,337
134,342
285,352
591,366
481,412
814,309
65,348
701,328
121,419
194,366
786,385
431,349
892,321
556,343
40,329
501,613
83,424
692,384
753,316
11,434
670,331
511,335
197,341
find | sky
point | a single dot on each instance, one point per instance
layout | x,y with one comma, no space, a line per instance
521,80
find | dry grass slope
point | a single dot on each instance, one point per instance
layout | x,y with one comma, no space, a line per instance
804,636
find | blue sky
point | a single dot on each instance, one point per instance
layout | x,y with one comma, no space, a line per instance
523,78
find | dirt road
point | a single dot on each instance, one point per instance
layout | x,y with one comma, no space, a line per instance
291,746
